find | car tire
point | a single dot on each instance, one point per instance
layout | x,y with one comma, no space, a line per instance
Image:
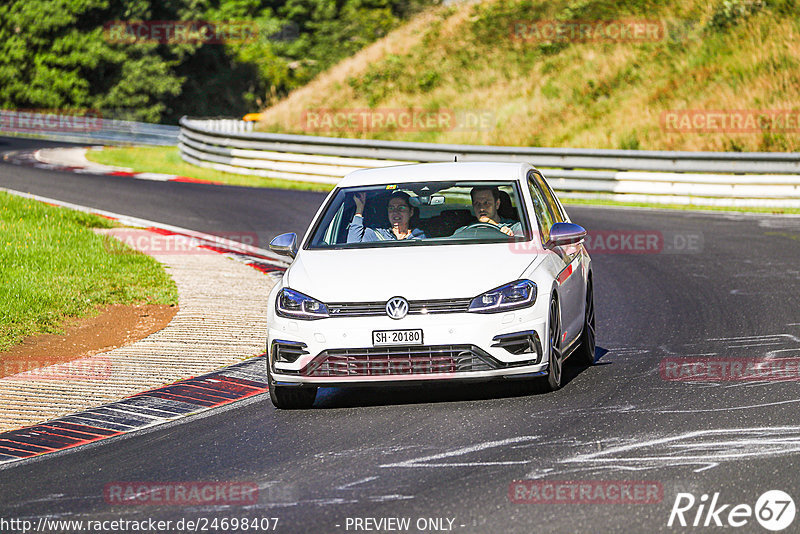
555,359
290,397
586,350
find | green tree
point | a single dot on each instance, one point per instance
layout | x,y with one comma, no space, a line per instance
58,54
53,55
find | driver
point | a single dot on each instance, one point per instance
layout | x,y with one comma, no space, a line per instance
400,212
485,203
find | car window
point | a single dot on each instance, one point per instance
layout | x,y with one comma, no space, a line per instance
441,213
541,210
553,204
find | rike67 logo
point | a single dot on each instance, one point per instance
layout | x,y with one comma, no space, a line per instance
774,510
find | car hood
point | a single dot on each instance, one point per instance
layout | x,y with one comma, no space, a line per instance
433,272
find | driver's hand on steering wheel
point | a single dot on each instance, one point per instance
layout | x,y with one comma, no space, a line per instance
505,229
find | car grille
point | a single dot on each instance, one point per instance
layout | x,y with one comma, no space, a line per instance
415,307
385,361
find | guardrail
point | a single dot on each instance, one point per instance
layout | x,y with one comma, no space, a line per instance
90,128
750,179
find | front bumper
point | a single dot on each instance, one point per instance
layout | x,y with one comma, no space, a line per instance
458,346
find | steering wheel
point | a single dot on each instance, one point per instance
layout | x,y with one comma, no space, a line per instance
479,229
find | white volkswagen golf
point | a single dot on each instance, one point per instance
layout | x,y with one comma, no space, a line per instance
442,271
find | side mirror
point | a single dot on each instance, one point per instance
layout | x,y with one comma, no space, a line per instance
565,234
285,245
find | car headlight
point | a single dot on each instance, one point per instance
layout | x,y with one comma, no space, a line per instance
294,305
519,294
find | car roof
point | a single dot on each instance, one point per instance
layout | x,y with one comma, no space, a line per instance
437,172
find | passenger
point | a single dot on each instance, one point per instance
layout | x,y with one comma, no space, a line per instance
400,212
485,203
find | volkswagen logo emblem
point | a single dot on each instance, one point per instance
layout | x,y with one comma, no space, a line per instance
397,307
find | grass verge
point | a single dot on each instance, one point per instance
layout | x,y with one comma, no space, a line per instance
167,160
55,267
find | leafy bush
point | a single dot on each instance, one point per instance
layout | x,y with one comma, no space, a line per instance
428,80
629,141
732,12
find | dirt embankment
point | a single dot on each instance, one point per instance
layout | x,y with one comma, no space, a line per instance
116,326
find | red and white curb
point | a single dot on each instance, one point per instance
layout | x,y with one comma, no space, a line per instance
143,410
74,160
154,407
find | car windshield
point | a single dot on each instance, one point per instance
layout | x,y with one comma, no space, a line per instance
421,214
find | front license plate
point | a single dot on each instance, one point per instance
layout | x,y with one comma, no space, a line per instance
397,337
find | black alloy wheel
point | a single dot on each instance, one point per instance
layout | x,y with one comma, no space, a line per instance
586,351
555,362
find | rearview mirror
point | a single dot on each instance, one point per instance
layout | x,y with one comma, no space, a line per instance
432,200
285,245
565,234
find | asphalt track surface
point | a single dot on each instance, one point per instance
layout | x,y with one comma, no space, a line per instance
453,452
228,211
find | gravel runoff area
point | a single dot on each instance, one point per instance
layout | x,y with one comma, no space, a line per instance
221,320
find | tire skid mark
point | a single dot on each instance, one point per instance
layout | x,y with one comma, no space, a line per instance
699,450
